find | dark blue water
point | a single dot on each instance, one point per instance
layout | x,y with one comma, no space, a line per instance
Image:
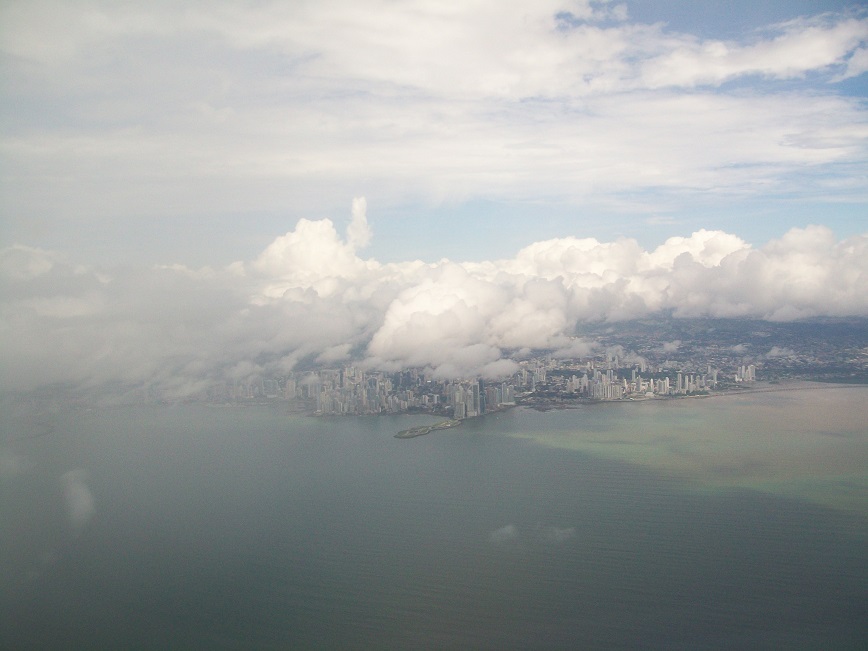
197,527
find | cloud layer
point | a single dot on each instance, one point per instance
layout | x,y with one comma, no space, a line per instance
311,295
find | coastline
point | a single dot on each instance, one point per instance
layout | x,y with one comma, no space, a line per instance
554,403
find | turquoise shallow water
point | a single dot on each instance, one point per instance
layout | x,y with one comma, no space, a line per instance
681,524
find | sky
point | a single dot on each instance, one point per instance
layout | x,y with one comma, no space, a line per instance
198,189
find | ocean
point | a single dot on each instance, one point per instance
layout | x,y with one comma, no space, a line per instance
725,522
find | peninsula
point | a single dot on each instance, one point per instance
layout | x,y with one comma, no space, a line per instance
422,430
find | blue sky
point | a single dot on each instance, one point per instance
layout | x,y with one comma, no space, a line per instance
149,132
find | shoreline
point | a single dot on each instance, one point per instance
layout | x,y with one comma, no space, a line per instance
765,387
556,404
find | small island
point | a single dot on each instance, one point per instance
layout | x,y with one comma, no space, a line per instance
422,430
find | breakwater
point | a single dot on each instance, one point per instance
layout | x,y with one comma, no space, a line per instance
422,430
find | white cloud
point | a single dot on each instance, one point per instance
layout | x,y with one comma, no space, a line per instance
313,256
502,368
358,232
778,351
574,348
791,50
23,262
334,354
857,65
309,295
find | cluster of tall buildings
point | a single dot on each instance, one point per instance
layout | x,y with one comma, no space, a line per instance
468,399
745,373
609,385
353,391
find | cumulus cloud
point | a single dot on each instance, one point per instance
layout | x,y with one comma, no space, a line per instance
358,232
313,256
310,296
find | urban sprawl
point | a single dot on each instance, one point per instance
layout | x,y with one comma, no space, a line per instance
539,382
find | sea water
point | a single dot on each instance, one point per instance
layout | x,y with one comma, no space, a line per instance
725,522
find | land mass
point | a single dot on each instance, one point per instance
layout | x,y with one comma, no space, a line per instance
422,430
